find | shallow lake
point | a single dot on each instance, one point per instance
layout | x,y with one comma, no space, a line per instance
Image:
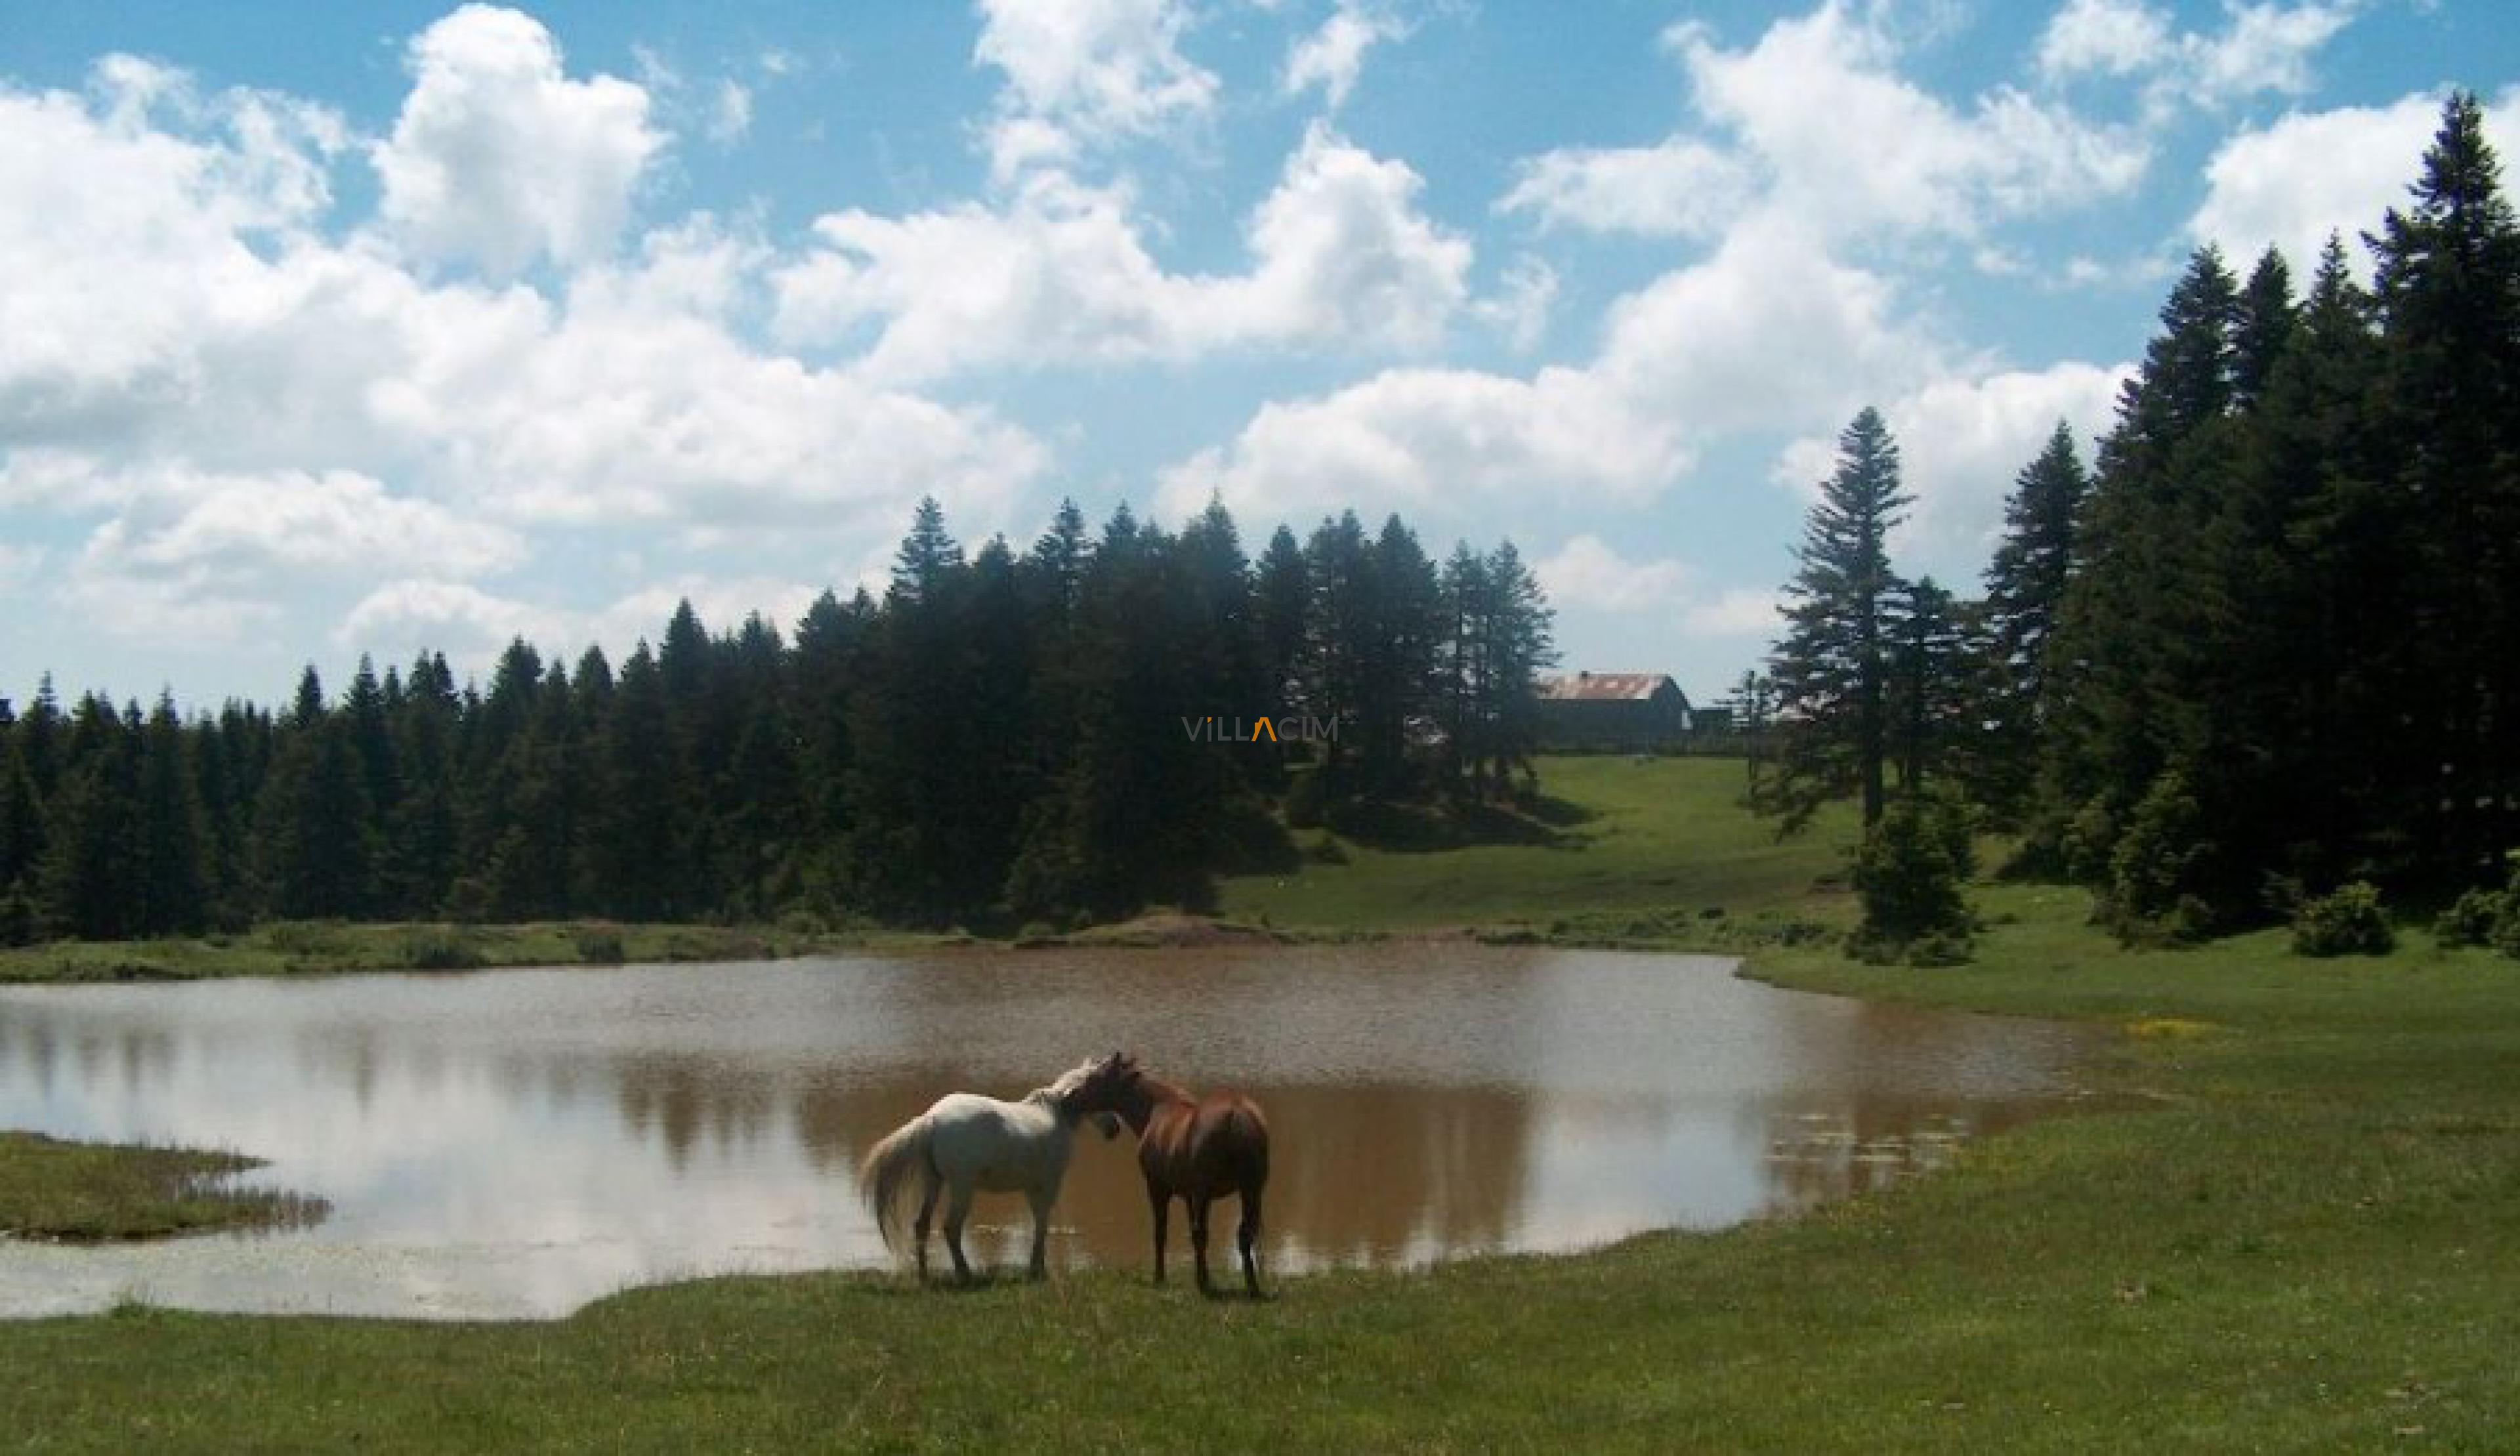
516,1143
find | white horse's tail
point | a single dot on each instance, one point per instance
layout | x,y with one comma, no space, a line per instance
884,1175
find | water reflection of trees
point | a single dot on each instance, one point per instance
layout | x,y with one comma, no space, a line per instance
140,1057
1888,1091
1361,1174
683,1099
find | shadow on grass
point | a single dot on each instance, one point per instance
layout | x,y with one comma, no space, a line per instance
1415,828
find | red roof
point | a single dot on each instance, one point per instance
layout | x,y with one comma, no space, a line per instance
1631,687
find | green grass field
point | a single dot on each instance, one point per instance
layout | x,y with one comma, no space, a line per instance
1650,849
2293,1229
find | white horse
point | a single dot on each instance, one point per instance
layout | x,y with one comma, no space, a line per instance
966,1142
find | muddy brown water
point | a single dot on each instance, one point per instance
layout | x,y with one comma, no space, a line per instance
514,1144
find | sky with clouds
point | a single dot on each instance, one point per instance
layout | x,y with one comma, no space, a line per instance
334,329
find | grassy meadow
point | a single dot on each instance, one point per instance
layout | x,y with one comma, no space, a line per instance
1645,852
2287,1224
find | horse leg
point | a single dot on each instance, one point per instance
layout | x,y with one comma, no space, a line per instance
1163,1205
1248,1234
919,1227
957,1208
1198,1204
1041,1201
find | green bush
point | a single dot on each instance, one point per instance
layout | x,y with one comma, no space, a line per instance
2486,917
2472,918
19,923
1909,872
438,949
600,945
2349,922
2153,867
2505,935
1307,798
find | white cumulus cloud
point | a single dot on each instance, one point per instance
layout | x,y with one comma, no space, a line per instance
2263,46
1332,56
498,157
243,412
1086,72
1768,334
1587,572
1815,121
1964,439
1340,257
2114,37
2290,184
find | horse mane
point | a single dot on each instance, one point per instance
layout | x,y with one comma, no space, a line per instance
1054,1096
1159,1091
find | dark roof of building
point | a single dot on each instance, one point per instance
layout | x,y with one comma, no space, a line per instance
1602,687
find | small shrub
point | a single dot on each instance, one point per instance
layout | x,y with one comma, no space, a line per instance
2084,842
2153,867
314,937
1909,872
1800,933
1942,948
1246,838
798,920
1307,798
1324,850
2472,918
600,945
19,923
2349,922
441,949
2506,927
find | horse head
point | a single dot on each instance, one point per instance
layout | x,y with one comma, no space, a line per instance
1092,1091
1102,1092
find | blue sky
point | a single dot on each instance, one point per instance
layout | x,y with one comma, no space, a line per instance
332,329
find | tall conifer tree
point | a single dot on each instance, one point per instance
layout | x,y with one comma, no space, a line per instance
1831,670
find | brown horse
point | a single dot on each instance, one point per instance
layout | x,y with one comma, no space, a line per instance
1198,1150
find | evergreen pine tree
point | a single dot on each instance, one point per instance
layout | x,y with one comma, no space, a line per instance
1931,693
2025,591
2447,287
21,846
419,856
2130,669
1831,670
93,857
1519,648
313,818
1280,600
171,882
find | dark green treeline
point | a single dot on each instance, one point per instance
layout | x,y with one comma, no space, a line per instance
1002,736
2270,642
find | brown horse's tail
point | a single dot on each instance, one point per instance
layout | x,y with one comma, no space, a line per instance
884,1175
1251,1140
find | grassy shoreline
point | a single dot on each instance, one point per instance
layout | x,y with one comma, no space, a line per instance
2305,1242
57,1191
340,947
